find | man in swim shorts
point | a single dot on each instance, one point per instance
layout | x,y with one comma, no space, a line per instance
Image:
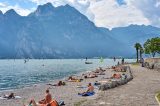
48,98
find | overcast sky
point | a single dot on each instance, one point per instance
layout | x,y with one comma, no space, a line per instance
104,13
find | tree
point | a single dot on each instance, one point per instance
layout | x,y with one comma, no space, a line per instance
152,46
137,46
141,51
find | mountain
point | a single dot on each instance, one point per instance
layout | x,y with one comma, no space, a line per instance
135,33
50,32
63,32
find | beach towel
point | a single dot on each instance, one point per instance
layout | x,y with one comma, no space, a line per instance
4,98
87,94
79,86
61,103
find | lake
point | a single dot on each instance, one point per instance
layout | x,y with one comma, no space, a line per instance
17,74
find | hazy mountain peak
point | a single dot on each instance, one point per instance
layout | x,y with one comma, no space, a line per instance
67,7
11,13
48,6
44,9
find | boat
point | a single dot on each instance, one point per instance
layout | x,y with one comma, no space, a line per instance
88,62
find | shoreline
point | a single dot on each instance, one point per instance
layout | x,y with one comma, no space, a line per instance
26,91
51,81
67,93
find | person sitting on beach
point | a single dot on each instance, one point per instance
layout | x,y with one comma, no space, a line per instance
124,76
113,67
60,83
11,96
48,98
89,90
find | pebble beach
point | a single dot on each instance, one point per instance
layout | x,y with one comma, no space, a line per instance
138,92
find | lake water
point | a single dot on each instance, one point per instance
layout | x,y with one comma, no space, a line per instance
16,74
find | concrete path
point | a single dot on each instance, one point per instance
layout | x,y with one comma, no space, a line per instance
138,92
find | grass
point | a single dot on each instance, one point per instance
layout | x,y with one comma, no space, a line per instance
158,97
135,64
79,103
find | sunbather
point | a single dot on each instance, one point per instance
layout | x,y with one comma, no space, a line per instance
90,76
71,79
32,103
60,83
89,90
101,69
11,96
117,76
47,99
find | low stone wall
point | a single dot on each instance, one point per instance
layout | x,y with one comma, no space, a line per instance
118,82
152,63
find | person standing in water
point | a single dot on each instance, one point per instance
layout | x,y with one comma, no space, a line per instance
86,58
122,60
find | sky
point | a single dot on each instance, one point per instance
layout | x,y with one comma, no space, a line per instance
104,13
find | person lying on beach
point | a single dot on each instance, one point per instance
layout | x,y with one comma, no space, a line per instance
11,96
47,99
31,103
101,69
89,90
120,69
52,103
100,73
90,76
71,79
117,76
60,83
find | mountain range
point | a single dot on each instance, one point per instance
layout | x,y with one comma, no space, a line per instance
63,32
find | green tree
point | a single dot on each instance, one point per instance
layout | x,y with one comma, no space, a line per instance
137,46
152,46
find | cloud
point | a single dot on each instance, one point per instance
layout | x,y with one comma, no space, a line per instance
5,7
2,5
149,8
107,13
